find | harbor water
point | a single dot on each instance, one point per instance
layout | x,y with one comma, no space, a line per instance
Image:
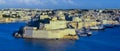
104,40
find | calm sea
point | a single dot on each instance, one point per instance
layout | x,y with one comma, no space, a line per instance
107,40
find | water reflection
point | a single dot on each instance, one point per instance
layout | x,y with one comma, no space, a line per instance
50,45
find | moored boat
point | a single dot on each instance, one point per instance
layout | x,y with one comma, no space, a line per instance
97,27
84,32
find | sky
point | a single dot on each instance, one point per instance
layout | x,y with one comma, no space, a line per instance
60,4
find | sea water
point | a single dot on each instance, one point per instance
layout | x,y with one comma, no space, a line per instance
104,40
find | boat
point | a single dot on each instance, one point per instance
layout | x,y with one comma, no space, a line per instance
16,34
97,27
84,32
19,33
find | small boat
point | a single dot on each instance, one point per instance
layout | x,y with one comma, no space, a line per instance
19,33
16,34
84,32
97,27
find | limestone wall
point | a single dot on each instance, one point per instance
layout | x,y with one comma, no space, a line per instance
56,25
108,22
44,16
48,34
81,24
40,34
28,33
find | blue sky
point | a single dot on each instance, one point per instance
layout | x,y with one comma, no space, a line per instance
58,4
